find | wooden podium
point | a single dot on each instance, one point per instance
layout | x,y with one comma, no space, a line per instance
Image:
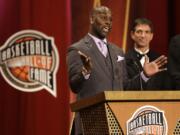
130,113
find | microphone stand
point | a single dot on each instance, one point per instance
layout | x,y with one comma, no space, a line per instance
139,70
112,67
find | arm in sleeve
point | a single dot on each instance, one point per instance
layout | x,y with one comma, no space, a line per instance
135,83
174,61
75,66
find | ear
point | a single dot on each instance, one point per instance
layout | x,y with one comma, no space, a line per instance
91,20
152,36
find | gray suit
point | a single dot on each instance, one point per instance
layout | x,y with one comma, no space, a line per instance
102,76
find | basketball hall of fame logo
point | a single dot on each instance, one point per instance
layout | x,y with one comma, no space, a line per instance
29,61
147,120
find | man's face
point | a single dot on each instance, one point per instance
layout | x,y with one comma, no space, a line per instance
142,35
101,23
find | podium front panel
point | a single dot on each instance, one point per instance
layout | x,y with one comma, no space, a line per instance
124,111
112,118
131,113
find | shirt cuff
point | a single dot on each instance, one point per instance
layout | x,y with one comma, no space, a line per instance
144,77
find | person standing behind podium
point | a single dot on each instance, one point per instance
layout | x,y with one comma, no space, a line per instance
174,61
96,65
142,35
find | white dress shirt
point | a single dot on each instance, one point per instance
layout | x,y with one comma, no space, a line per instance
142,60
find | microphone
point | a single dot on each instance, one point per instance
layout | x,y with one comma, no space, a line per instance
139,70
112,67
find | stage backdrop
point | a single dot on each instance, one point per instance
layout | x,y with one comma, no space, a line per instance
164,14
40,113
37,113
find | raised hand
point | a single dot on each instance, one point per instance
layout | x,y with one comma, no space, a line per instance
86,62
151,68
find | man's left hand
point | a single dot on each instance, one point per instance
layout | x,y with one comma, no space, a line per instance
151,68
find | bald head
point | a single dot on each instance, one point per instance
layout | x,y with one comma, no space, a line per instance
100,22
100,9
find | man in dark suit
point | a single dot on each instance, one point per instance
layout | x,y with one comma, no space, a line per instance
142,34
174,61
95,65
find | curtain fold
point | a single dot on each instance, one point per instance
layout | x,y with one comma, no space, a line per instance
37,113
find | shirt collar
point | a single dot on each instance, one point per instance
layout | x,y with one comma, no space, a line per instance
96,40
140,52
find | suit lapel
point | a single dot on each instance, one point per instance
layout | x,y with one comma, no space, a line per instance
135,58
113,57
96,55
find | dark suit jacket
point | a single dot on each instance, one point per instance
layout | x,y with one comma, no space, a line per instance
174,61
160,81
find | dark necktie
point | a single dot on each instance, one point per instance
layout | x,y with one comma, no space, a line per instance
139,56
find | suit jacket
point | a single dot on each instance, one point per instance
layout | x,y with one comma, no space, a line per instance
104,75
107,73
160,81
174,61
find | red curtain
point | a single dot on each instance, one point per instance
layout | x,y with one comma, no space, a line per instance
165,16
157,12
40,113
37,113
174,17
80,17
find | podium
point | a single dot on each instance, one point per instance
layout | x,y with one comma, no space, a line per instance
130,113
